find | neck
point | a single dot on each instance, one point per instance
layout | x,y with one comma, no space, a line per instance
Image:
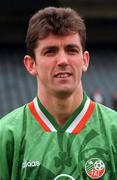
61,109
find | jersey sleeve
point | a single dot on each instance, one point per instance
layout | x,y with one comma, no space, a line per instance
10,144
6,151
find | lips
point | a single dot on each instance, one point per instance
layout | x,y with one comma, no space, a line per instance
62,75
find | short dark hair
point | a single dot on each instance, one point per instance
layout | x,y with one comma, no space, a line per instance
58,21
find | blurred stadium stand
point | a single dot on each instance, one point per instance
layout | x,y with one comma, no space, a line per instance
17,87
102,72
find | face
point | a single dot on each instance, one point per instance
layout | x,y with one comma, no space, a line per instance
59,64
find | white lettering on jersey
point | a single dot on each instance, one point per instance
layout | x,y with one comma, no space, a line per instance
30,163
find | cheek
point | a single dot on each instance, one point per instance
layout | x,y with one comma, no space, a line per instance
43,72
78,65
78,68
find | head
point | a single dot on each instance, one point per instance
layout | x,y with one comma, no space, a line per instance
55,44
58,21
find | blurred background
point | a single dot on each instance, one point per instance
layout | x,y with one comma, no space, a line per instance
17,87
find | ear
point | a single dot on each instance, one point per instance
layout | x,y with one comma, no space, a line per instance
30,65
86,58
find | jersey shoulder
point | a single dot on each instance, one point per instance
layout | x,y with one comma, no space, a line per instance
13,118
106,114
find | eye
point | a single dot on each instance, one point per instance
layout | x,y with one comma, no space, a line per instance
50,52
72,50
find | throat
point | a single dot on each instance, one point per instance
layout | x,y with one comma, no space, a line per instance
62,119
62,108
62,112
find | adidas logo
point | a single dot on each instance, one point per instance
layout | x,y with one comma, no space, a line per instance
30,163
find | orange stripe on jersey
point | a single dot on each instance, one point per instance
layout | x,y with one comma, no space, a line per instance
84,119
37,117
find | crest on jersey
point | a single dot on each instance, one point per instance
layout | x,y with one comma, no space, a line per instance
95,168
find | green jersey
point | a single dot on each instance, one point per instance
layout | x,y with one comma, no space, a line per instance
34,147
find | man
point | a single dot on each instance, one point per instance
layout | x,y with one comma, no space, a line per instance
61,134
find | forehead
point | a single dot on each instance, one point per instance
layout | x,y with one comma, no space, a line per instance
55,40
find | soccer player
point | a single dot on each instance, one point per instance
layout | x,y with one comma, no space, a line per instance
61,134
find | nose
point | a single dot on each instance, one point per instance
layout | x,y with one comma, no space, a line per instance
62,59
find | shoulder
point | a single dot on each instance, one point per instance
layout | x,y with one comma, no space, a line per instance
105,109
105,113
12,119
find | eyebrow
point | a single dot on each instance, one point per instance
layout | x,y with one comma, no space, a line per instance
73,45
49,47
57,47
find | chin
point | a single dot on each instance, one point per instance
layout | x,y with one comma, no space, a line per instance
64,93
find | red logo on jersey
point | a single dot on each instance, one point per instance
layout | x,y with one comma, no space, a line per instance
95,168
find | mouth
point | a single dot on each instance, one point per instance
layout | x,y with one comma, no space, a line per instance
62,75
